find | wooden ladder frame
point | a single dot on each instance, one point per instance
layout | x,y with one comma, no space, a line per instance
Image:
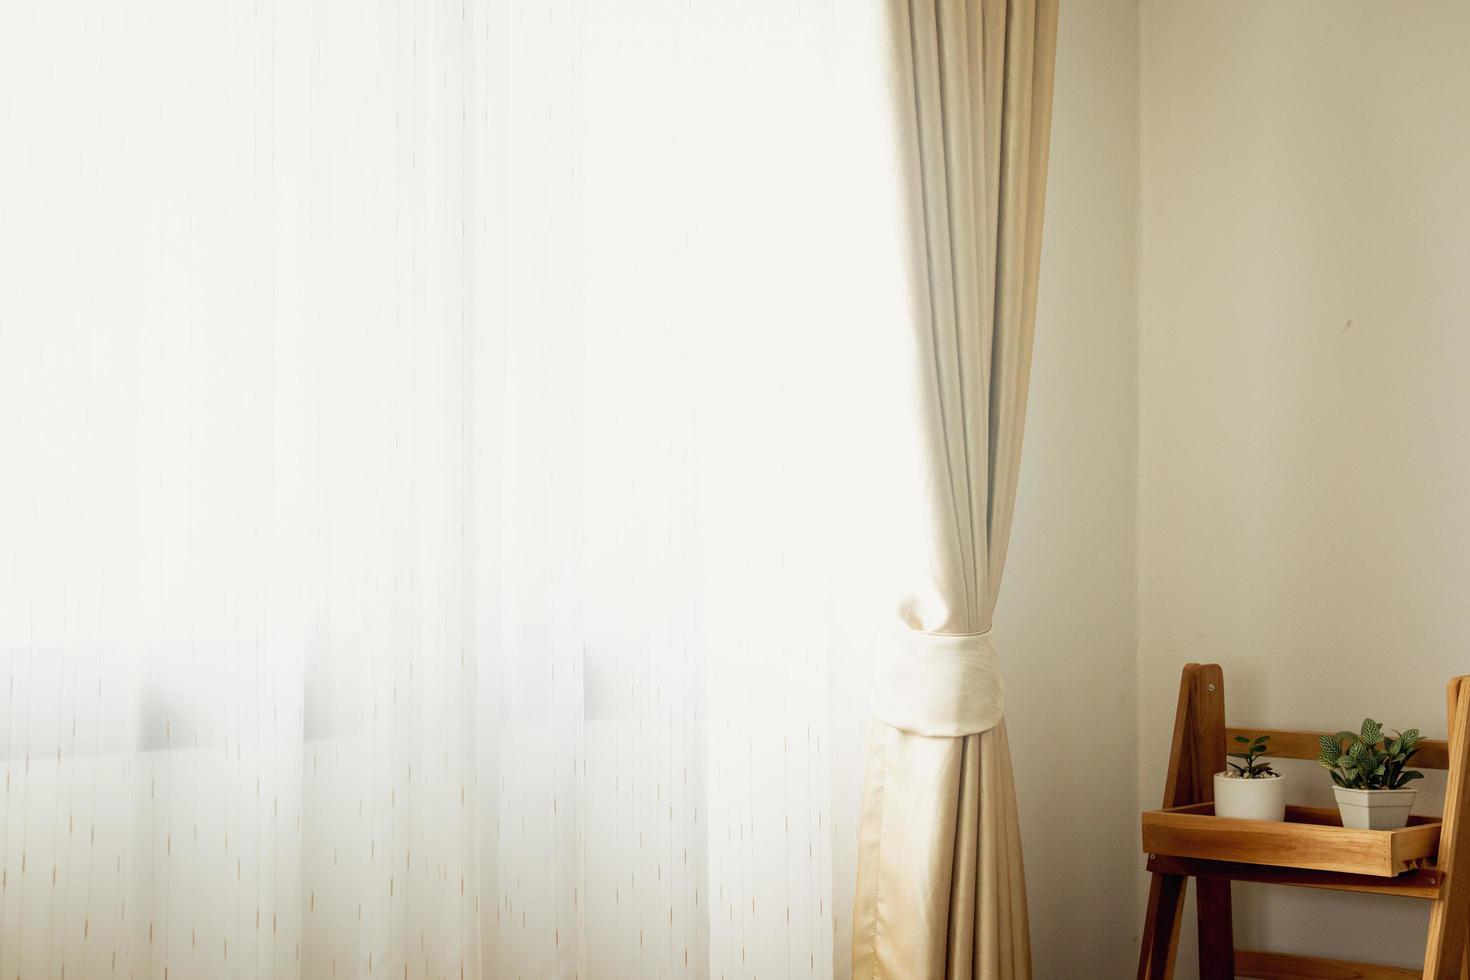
1199,747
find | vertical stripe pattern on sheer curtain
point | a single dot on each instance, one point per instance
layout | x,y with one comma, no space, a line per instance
233,618
673,186
439,450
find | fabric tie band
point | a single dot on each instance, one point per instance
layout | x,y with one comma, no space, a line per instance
940,684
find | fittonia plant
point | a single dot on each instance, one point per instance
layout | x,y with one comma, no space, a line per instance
1371,759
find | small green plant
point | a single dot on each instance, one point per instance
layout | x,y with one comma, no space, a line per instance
1371,759
1248,767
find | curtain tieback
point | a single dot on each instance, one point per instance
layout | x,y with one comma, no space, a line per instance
940,684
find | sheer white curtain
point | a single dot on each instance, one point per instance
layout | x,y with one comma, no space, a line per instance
702,287
440,444
234,597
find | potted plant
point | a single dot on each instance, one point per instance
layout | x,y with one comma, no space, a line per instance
1250,789
1368,770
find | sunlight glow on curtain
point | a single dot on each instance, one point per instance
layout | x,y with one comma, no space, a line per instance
694,284
233,593
441,450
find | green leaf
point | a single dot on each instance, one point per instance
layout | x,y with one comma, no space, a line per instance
1371,732
1411,745
1242,739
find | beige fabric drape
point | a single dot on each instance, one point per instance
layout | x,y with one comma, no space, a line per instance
941,891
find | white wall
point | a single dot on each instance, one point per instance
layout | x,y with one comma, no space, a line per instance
1065,622
1304,388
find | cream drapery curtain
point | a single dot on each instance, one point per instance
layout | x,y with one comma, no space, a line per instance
941,890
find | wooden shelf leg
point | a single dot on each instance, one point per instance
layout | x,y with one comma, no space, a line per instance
1216,929
1197,753
1161,927
1449,915
1207,730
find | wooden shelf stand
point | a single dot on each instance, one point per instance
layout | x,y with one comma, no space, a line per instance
1310,849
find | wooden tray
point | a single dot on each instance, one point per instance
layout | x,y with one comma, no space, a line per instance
1310,837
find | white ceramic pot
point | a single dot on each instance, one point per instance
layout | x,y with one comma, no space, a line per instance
1374,809
1250,799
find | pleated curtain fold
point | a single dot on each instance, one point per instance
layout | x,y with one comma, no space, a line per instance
941,889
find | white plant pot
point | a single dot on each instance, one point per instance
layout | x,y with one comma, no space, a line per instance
1250,799
1374,809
